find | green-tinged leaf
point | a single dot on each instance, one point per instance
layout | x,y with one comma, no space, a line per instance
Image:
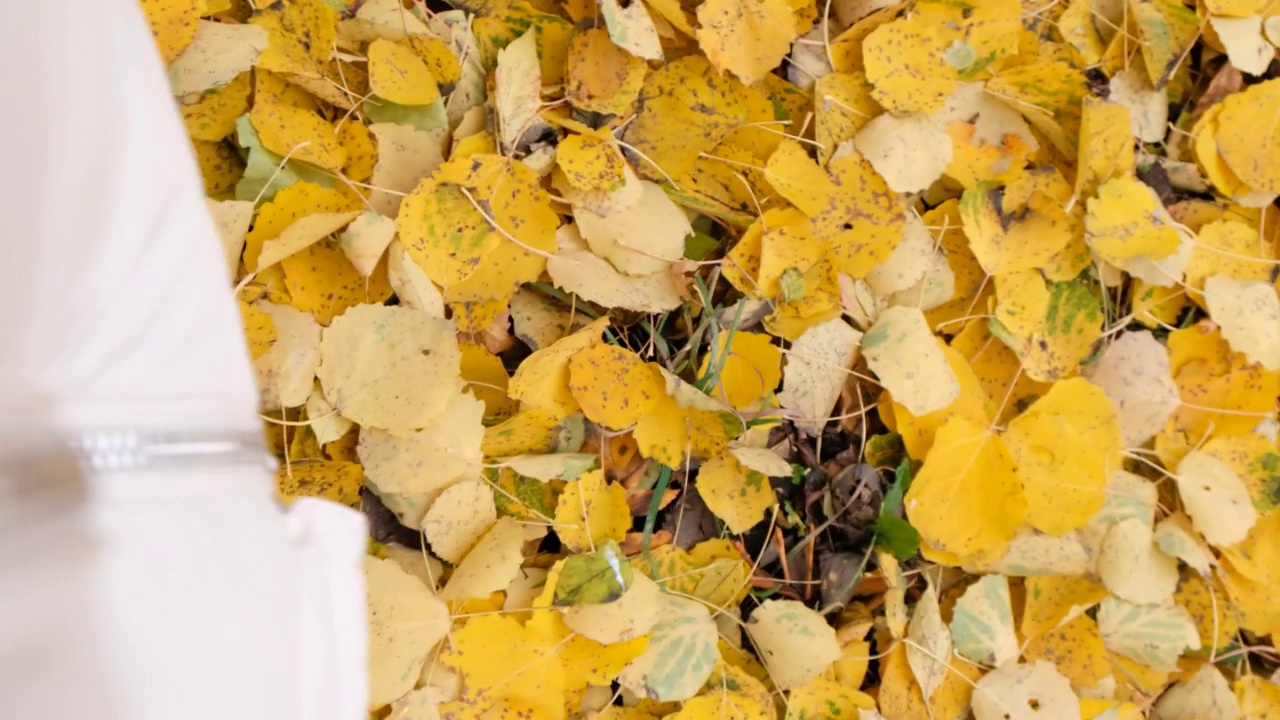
982,622
681,654
597,577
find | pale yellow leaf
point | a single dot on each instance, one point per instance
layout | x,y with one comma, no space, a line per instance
405,156
1249,314
903,353
458,517
1031,691
795,642
490,565
817,369
406,620
286,372
909,151
219,52
1132,567
300,235
1216,498
366,239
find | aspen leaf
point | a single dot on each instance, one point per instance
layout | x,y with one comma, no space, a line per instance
747,367
1215,498
490,564
552,466
930,648
1076,649
761,460
1205,695
591,510
297,133
613,386
288,369
412,286
1126,220
909,152
1258,698
1249,315
593,578
405,621
585,274
406,155
1030,691
967,498
1133,567
373,354
301,235
1053,600
630,616
590,163
458,517
901,351
737,495
232,219
795,643
217,54
518,81
821,697
542,380
1252,157
1135,373
601,76
337,482
1153,635
680,656
745,38
1148,106
644,240
491,678
1247,48
631,28
1066,446
425,461
982,623
816,372
1009,232
1176,537
326,423
399,75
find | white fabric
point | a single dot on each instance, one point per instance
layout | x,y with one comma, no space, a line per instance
182,592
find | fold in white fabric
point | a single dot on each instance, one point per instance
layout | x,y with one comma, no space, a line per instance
148,588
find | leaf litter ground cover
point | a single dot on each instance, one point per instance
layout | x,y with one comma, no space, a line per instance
769,358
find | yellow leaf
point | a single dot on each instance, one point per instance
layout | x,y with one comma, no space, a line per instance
1211,608
302,36
259,330
590,163
322,281
1211,378
1215,498
300,235
528,431
900,696
1049,94
843,105
542,380
967,498
602,77
737,495
613,385
747,367
1228,248
1024,691
219,54
287,207
1071,327
798,178
590,510
505,662
457,519
972,404
405,621
1021,227
997,368
909,152
213,116
1133,567
389,367
864,220
220,168
644,239
1249,316
517,91
399,75
685,108
488,379
1076,649
747,39
299,134
1127,220
173,24
1166,31
904,61
490,565
1052,600
909,361
632,28
1259,699
286,372
1066,446
337,482
794,641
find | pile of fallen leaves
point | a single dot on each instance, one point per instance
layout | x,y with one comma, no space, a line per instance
769,358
